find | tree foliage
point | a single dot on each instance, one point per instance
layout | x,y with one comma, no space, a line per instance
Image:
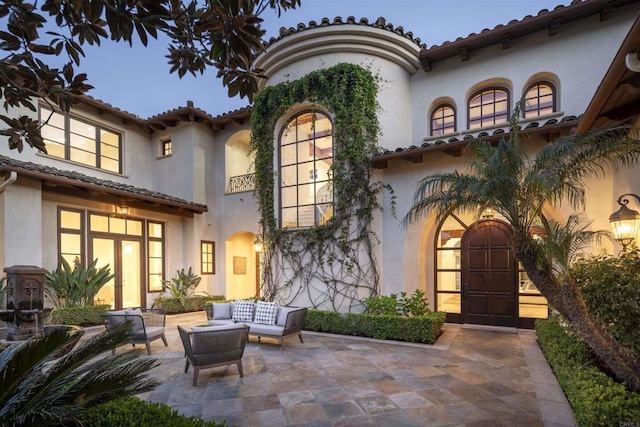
224,34
518,186
36,389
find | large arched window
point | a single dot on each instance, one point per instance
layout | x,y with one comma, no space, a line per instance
443,120
488,107
539,99
306,156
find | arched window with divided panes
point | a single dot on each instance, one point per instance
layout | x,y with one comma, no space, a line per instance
443,120
539,100
306,156
488,107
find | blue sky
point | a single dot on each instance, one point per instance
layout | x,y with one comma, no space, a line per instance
137,80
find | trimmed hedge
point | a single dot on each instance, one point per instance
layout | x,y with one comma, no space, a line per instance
421,329
133,412
192,303
82,316
596,399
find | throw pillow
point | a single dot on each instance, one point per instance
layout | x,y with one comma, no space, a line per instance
221,311
243,311
266,313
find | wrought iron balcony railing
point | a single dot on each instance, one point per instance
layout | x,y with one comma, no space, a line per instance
240,183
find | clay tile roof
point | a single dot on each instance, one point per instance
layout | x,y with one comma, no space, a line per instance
453,146
78,180
503,34
171,118
325,22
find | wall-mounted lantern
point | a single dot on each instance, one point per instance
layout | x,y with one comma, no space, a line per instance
625,222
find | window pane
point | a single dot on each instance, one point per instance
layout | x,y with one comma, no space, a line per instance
117,225
288,176
533,307
155,282
134,227
110,165
99,223
289,197
306,194
449,303
287,154
289,217
155,264
155,249
83,129
70,219
82,157
539,100
69,243
449,280
109,151
448,259
488,108
155,230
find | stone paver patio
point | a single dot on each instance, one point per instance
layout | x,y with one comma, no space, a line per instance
472,377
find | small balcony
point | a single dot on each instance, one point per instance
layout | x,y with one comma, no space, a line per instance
240,183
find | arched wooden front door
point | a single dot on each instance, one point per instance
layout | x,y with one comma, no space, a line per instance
489,273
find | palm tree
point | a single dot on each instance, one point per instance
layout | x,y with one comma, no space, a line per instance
36,389
506,178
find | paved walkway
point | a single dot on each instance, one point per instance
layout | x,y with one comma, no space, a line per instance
471,377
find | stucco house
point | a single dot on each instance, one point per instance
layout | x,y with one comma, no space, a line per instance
150,196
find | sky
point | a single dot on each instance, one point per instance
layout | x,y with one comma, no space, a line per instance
137,79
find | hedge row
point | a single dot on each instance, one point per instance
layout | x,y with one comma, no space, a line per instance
81,316
421,329
133,412
596,399
186,305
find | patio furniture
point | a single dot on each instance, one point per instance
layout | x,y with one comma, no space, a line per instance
286,321
147,324
213,346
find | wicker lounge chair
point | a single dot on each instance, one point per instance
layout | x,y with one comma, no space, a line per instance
147,324
210,348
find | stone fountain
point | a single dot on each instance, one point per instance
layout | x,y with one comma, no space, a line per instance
25,311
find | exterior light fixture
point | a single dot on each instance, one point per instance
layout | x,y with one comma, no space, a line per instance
487,213
257,244
122,210
625,222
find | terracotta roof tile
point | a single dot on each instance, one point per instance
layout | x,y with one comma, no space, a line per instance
532,127
325,22
7,163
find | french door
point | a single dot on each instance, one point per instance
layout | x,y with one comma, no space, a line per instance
125,257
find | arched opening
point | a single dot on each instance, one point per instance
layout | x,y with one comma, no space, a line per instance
242,279
477,279
239,163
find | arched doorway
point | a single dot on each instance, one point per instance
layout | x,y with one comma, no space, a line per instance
477,279
489,275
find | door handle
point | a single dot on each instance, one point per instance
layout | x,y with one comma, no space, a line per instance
465,290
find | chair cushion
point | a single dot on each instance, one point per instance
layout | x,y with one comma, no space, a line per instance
266,313
257,329
132,311
221,311
282,317
117,312
243,311
221,322
152,332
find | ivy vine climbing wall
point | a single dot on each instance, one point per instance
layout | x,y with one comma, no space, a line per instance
333,265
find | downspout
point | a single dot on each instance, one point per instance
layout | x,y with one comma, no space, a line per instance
7,182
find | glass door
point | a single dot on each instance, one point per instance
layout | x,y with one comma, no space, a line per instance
125,259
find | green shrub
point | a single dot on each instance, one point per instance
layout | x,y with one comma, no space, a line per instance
611,289
133,412
185,305
415,305
79,286
595,398
422,329
182,285
82,316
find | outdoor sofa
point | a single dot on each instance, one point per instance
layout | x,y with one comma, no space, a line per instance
264,319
